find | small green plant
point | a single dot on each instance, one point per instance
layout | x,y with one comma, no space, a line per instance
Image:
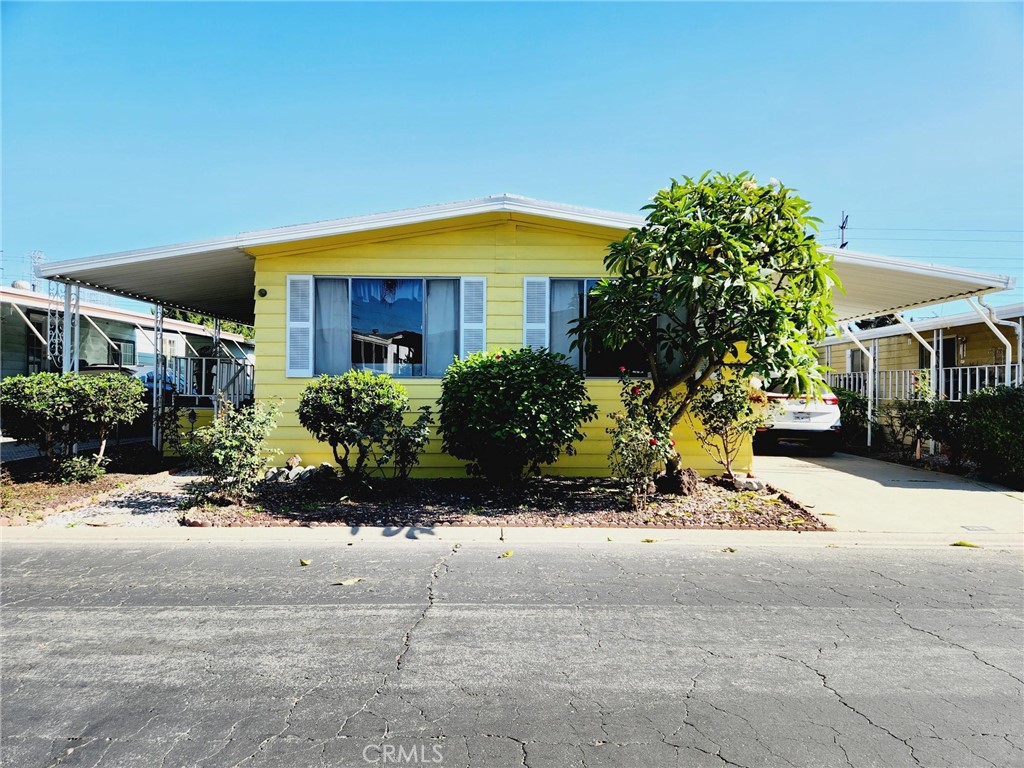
111,399
965,544
80,469
230,451
507,413
361,415
641,438
725,414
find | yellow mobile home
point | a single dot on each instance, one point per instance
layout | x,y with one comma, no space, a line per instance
403,292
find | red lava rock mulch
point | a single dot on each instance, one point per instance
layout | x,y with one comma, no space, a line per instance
547,501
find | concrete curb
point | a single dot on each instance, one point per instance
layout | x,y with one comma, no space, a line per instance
374,536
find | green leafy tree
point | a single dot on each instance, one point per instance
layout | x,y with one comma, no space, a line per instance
44,410
509,412
111,399
724,273
360,414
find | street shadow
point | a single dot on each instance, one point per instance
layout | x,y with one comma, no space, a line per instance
390,531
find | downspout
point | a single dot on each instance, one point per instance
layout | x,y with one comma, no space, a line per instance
871,373
1017,331
992,327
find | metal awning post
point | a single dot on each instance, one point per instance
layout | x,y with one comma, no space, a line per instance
932,372
66,351
217,383
76,325
159,369
871,373
999,335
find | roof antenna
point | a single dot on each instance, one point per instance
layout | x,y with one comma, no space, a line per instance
842,231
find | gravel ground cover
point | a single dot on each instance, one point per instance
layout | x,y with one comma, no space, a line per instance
547,501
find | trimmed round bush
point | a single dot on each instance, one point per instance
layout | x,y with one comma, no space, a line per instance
361,413
509,412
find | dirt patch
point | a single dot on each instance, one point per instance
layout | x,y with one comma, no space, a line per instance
548,501
27,495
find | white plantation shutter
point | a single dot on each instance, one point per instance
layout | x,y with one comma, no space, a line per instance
299,326
535,312
472,315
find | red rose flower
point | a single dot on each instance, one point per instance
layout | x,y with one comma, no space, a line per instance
652,441
635,391
672,443
622,369
497,357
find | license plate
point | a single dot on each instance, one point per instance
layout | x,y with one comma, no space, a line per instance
802,416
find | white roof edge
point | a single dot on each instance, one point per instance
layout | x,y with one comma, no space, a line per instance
1005,312
504,203
34,300
982,279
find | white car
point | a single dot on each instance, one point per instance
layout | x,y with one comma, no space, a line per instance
800,418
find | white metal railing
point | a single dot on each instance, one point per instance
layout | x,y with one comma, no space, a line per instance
958,383
208,377
907,383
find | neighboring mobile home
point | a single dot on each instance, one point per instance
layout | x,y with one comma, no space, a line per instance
968,356
403,292
117,337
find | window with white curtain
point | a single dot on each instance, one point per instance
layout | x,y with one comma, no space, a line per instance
569,300
398,326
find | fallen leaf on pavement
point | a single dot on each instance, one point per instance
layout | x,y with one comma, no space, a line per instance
347,582
303,562
647,541
728,549
508,553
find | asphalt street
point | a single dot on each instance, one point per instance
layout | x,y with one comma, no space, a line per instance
598,654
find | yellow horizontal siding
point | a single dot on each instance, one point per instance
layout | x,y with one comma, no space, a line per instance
501,248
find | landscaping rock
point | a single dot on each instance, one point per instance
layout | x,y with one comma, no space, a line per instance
294,473
748,484
293,461
308,474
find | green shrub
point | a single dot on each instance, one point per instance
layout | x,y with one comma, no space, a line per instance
44,410
110,399
995,418
54,411
641,438
362,413
80,469
903,423
230,451
509,412
853,410
949,424
725,413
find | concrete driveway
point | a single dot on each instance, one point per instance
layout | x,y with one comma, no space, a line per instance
856,494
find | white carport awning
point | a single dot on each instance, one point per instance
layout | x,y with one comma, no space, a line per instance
217,277
880,285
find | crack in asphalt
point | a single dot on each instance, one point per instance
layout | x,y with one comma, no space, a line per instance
440,568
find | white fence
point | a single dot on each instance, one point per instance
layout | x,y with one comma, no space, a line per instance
906,383
207,377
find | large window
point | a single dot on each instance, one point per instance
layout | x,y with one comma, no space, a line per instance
569,300
399,326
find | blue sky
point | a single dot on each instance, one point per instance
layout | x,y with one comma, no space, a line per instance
132,125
